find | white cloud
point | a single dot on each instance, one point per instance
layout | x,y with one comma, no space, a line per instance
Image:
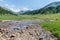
25,9
13,8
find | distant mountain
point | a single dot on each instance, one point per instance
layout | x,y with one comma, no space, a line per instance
52,8
4,11
22,11
54,4
48,9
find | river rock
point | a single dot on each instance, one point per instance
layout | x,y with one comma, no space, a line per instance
27,32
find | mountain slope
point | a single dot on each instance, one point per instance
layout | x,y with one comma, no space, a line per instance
5,11
53,4
50,8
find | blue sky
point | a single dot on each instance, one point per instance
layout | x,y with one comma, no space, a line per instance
17,5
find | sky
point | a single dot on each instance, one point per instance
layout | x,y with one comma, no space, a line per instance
18,5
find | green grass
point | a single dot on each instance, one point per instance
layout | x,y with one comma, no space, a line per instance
29,17
20,17
53,26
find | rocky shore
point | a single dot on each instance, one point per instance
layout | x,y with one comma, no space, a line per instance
21,30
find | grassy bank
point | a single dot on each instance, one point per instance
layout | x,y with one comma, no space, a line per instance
53,26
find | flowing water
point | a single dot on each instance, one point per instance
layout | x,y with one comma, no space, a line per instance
17,25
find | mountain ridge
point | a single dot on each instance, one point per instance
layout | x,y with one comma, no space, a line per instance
4,11
53,7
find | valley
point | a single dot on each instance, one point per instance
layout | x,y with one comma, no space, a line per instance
38,24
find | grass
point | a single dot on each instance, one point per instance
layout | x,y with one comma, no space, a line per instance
29,17
53,26
20,17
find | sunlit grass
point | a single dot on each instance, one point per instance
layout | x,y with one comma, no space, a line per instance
53,26
30,17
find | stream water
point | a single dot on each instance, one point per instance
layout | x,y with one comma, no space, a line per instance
16,25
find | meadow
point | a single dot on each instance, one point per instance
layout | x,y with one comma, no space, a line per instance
30,17
52,26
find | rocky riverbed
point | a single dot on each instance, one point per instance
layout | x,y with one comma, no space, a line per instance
23,30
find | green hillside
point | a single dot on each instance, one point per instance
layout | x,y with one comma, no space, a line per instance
4,11
49,9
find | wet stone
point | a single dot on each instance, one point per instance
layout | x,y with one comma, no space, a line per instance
40,38
12,36
16,28
30,33
23,30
